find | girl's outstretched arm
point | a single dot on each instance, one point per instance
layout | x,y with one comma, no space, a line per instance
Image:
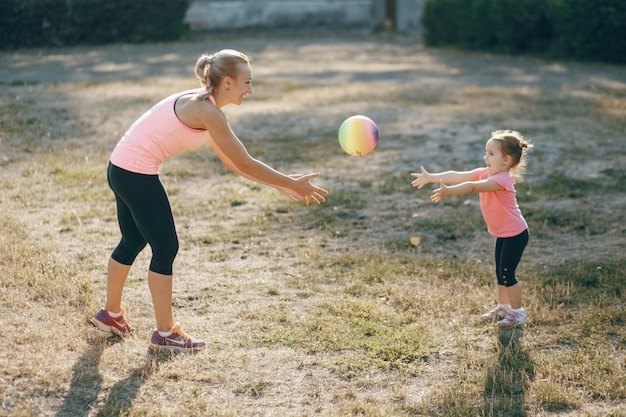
448,177
468,187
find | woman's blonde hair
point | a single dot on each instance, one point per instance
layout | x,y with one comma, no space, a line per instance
515,145
211,69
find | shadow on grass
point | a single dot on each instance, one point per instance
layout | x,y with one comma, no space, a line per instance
509,377
86,380
121,396
87,383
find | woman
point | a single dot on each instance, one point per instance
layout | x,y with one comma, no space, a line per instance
184,120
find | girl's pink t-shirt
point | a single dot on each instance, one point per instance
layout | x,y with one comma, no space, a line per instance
499,208
155,136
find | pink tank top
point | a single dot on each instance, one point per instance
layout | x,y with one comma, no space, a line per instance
500,209
155,136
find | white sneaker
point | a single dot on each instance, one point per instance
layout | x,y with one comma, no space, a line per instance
513,319
497,313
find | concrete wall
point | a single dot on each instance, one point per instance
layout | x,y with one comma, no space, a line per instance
239,14
267,14
408,14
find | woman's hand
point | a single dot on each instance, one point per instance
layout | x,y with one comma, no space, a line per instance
421,179
290,193
304,190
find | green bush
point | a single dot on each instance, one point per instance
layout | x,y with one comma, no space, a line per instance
579,29
500,25
593,29
33,23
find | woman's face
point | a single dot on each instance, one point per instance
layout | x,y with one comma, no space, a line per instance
241,85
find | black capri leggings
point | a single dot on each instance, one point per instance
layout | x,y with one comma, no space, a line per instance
509,251
145,217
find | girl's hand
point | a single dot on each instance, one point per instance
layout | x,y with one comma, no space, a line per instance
439,193
421,179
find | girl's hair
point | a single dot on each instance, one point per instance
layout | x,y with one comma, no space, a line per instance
211,69
515,145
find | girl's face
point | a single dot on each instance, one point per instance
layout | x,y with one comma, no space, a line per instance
241,85
495,159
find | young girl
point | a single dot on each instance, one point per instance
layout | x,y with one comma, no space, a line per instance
505,159
184,120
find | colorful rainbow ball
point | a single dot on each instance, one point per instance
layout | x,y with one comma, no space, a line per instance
358,135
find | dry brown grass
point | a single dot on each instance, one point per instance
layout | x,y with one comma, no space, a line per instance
325,310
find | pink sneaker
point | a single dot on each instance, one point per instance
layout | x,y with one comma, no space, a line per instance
104,322
497,313
178,341
513,319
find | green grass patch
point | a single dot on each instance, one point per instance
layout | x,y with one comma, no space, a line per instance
558,186
376,334
578,220
585,281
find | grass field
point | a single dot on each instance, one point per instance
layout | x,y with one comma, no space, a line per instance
317,311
